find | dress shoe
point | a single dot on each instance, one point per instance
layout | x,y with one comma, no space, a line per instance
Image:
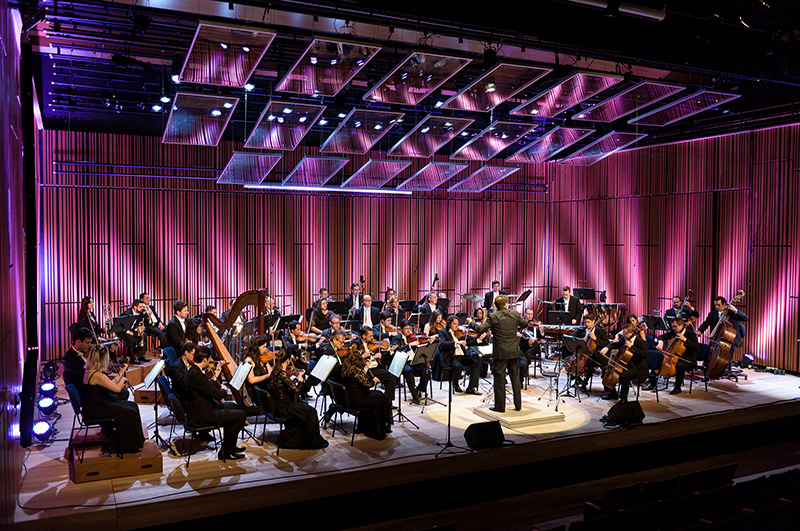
229,457
610,396
141,359
472,391
239,449
675,391
457,389
649,386
517,409
135,361
497,410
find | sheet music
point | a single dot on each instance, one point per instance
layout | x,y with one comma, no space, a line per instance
154,372
396,367
324,367
485,350
241,373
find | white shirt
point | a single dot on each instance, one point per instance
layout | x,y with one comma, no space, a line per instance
367,316
183,323
459,349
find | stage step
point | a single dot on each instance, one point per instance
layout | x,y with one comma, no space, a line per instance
96,467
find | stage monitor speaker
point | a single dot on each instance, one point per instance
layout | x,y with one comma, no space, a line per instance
483,435
626,413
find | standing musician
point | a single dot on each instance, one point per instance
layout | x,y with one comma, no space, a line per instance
490,296
153,324
453,355
636,369
597,334
134,335
568,303
376,421
176,327
368,315
320,317
203,405
686,314
353,301
405,340
735,316
504,324
381,361
689,357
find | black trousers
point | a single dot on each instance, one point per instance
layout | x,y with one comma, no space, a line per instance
499,373
409,371
232,422
162,337
388,380
472,363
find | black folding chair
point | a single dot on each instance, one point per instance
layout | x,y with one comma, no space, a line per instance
180,416
267,408
341,398
83,422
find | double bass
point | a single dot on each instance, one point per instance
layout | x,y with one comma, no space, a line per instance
721,342
675,349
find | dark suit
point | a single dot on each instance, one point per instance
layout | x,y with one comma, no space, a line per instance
177,374
636,368
410,371
88,321
488,298
736,320
270,318
686,314
132,344
574,307
374,314
596,359
175,335
504,324
448,358
689,355
155,330
387,379
348,301
203,408
74,368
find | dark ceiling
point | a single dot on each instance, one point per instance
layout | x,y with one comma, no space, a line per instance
121,56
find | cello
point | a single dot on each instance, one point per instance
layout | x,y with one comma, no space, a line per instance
618,361
675,349
722,339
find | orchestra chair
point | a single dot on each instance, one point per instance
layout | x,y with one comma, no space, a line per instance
741,522
172,356
166,389
83,422
341,398
601,523
180,416
268,410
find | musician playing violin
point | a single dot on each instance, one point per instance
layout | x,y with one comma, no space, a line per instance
393,307
689,357
434,325
529,343
636,368
259,356
296,342
430,305
383,359
406,344
454,355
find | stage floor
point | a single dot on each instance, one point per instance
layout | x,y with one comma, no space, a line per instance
47,493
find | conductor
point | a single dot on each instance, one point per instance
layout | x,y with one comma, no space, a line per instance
504,324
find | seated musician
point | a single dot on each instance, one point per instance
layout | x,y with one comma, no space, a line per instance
406,344
271,316
380,359
686,314
335,347
393,307
323,296
296,342
193,332
599,336
429,306
490,296
376,421
177,325
320,317
153,324
390,292
434,325
368,315
87,319
735,316
353,301
530,344
568,303
257,356
177,371
132,338
301,430
683,333
453,355
74,360
203,396
636,368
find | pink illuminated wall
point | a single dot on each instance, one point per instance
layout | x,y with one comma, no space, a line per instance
714,215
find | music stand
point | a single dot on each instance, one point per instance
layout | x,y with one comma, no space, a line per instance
148,381
443,305
655,322
586,294
559,318
424,354
283,324
124,323
378,305
396,369
408,306
523,297
337,307
576,346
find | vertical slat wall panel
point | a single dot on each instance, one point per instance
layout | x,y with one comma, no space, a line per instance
714,215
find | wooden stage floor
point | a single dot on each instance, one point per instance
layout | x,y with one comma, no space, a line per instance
408,456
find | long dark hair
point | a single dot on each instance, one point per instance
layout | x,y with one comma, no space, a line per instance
85,305
192,331
434,315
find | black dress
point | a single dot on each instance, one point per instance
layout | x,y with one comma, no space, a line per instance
377,421
302,427
99,402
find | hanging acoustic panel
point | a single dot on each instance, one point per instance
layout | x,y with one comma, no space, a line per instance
501,82
431,176
429,136
415,78
283,124
248,168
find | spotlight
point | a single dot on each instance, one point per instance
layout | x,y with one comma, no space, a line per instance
249,87
302,119
358,123
581,116
448,124
378,127
535,111
227,105
313,59
280,119
342,115
504,136
334,61
48,390
271,117
156,108
47,406
176,78
164,99
439,104
323,122
49,372
223,46
490,87
747,361
245,49
216,112
465,133
425,129
287,110
42,430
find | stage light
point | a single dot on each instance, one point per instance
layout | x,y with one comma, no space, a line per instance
245,49
465,133
323,122
42,430
280,119
249,87
302,119
378,127
227,105
535,111
313,59
358,123
747,361
271,117
425,129
175,78
287,110
47,406
156,108
490,87
342,115
164,99
334,61
223,46
448,124
581,116
439,104
48,390
216,112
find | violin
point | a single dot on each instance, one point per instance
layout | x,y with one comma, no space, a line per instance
380,345
268,356
463,332
439,326
391,329
422,339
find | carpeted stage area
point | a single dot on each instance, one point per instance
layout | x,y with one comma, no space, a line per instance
547,468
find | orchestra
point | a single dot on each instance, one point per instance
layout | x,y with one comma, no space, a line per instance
281,359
